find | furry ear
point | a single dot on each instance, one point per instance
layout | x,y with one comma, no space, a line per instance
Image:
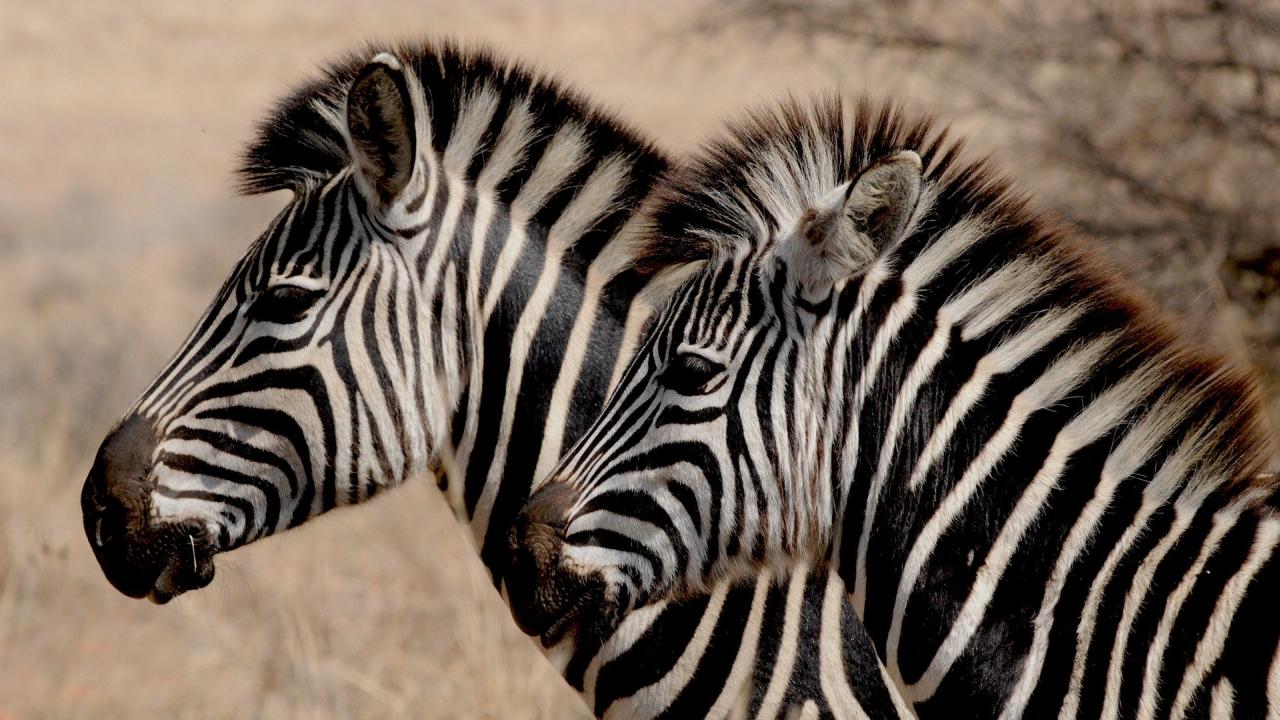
885,196
845,231
382,127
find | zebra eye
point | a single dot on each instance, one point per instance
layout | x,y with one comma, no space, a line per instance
690,374
284,304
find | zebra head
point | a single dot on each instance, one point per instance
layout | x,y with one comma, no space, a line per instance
702,466
300,388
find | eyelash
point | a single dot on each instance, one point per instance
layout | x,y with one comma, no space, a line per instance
284,304
690,374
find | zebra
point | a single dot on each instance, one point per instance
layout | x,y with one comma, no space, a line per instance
1044,501
451,291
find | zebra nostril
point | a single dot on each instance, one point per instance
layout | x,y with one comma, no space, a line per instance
106,508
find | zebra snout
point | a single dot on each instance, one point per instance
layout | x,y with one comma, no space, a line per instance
549,599
140,558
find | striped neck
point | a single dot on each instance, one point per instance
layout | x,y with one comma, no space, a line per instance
531,308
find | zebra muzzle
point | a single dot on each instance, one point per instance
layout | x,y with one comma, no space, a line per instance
139,556
547,598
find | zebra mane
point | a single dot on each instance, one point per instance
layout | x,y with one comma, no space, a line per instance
300,143
766,170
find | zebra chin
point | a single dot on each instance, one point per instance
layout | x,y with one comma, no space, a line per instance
140,555
548,598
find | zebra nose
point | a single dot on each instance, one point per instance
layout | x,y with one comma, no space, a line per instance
115,503
539,590
117,480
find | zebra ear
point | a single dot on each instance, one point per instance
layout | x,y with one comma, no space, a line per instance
382,127
848,229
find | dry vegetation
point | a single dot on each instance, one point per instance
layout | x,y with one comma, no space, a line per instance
116,225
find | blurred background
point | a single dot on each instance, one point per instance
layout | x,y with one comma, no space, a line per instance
1154,125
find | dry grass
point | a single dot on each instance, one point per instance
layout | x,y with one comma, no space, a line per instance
116,225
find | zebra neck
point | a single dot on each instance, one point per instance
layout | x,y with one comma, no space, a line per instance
988,430
527,332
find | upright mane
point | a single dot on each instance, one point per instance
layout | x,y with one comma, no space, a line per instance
300,142
766,170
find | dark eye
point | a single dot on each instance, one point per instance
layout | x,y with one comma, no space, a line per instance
690,374
284,303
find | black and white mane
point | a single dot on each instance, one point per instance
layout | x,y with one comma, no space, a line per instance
301,141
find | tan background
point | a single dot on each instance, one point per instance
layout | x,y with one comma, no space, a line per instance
119,128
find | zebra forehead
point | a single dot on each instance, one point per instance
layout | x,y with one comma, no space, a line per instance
300,143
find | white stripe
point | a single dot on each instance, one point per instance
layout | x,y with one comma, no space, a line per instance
473,117
1273,684
510,149
1148,702
1049,388
831,670
737,690
1209,649
1093,422
633,627
786,659
1122,462
1222,700
651,700
901,311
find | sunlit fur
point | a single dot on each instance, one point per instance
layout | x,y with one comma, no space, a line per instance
469,329
1039,495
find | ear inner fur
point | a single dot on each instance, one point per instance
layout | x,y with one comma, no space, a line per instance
885,196
842,233
381,124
